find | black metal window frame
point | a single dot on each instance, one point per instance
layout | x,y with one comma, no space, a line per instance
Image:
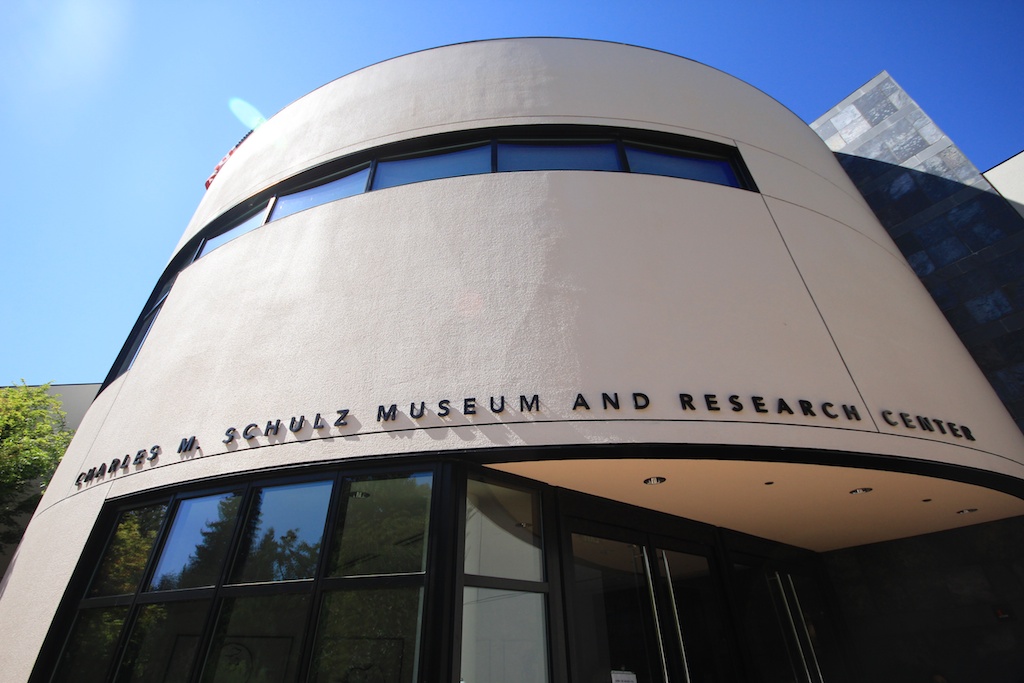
76,600
562,513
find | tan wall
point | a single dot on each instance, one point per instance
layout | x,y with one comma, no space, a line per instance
1008,179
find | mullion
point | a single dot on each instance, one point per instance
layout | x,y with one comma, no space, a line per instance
206,633
334,517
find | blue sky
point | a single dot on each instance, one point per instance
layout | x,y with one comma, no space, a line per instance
114,112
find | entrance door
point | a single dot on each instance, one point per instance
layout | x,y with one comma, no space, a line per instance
786,629
643,610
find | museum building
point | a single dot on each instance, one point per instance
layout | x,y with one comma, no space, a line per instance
531,360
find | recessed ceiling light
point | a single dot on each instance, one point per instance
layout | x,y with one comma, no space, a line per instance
966,511
864,489
654,481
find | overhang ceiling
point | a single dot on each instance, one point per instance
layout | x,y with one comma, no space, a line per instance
810,506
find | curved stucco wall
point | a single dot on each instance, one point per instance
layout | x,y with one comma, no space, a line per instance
548,284
555,285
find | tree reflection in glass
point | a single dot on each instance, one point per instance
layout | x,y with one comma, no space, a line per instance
163,642
249,647
385,524
197,544
124,561
282,534
368,636
91,645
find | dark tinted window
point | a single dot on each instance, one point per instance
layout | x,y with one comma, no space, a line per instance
664,162
558,156
368,635
442,164
384,528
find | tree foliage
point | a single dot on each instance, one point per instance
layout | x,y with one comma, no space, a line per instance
33,438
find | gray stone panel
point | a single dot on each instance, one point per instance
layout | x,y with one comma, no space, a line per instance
962,239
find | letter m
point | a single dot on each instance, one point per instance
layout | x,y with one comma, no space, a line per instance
387,415
187,445
529,405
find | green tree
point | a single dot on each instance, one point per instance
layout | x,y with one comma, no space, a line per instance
33,438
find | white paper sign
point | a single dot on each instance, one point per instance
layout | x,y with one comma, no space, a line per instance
623,677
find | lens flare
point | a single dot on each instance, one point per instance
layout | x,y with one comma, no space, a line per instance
250,117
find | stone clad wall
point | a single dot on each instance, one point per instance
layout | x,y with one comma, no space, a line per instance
963,239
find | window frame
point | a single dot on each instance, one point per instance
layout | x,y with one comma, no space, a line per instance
76,600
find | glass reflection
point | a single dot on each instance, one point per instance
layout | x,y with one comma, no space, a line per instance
384,529
558,156
197,544
368,636
666,163
163,643
248,225
247,646
446,164
503,532
283,530
615,629
696,613
91,646
346,186
504,637
122,565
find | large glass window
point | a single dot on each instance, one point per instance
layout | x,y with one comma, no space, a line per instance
504,601
197,545
282,533
123,564
503,532
370,635
164,642
258,639
223,586
91,646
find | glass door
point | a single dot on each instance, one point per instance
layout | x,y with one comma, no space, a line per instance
694,619
644,611
786,625
616,636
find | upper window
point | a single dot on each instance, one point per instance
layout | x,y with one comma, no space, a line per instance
667,162
352,182
245,225
561,155
432,165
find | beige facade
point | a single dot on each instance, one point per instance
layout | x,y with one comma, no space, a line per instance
580,328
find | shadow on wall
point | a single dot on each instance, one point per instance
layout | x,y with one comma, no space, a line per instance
967,246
